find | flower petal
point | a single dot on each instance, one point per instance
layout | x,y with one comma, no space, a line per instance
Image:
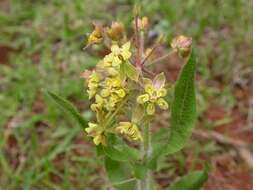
159,81
151,109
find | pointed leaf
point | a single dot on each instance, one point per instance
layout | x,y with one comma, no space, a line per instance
183,113
183,110
117,173
192,181
68,107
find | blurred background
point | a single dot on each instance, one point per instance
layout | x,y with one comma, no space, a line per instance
41,44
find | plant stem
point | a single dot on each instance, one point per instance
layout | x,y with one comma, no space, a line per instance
160,59
146,152
125,181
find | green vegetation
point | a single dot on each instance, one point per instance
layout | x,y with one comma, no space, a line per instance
41,147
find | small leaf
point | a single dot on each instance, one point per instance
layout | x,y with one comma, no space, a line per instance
139,170
192,181
183,109
118,172
131,71
67,106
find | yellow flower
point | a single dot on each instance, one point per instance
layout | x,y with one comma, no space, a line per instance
93,83
125,51
99,139
105,93
142,98
162,104
150,108
93,127
118,55
112,71
130,130
154,93
113,89
113,82
121,93
111,102
99,103
97,132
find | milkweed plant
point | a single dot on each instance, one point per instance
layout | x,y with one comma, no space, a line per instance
126,96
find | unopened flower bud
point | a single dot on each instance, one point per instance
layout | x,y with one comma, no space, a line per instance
142,23
116,31
182,45
136,10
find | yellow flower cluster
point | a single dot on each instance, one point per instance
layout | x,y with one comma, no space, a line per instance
93,83
153,96
112,92
130,130
108,88
109,91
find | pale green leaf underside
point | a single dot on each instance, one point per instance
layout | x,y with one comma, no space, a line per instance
68,107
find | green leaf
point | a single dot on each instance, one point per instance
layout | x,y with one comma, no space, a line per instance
122,153
99,150
117,173
131,71
68,107
192,181
183,110
183,113
140,170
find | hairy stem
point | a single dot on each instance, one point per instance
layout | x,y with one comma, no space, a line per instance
146,152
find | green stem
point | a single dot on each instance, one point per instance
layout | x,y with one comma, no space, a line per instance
146,152
124,182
